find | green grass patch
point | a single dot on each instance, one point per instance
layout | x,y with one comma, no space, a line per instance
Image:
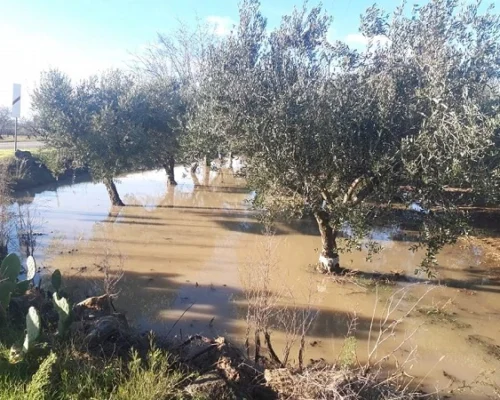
52,159
57,371
6,153
20,138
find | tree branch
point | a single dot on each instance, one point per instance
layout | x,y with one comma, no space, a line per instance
352,188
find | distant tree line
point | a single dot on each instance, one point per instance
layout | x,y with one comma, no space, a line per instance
25,126
327,130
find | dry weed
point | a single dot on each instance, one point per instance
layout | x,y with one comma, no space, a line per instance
272,305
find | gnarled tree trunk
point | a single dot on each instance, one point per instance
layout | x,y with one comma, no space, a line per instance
169,169
112,192
328,258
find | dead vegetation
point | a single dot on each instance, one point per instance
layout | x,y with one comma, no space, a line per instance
350,379
272,305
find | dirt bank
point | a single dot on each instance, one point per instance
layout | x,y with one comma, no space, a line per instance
27,170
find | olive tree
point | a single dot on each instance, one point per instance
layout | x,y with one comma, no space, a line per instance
163,121
340,134
99,120
170,69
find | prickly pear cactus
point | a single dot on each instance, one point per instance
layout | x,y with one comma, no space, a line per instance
63,308
33,327
22,287
56,280
10,267
6,289
31,268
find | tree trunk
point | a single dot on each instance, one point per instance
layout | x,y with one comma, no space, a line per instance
195,179
112,192
169,169
194,167
328,258
206,178
230,156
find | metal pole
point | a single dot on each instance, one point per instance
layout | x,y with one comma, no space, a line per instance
15,135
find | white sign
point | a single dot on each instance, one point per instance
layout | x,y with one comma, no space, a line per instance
16,101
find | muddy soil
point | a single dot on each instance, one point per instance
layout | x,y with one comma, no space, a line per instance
187,251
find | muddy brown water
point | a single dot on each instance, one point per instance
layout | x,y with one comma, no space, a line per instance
187,252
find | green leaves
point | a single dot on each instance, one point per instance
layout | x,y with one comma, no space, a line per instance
10,267
22,287
412,108
6,289
56,280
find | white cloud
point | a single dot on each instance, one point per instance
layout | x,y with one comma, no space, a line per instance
25,55
222,25
331,35
358,40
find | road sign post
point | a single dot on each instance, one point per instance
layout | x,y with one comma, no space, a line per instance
16,109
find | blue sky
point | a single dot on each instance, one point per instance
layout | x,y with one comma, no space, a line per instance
82,37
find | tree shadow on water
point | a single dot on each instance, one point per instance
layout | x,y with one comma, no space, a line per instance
474,279
161,302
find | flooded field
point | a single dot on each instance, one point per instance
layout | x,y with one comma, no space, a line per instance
187,252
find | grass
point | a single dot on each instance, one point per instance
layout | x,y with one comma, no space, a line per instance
63,373
439,313
50,157
20,138
6,153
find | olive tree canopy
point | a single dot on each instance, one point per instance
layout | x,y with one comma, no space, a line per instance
342,133
102,121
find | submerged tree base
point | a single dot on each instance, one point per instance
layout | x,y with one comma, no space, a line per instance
329,264
113,192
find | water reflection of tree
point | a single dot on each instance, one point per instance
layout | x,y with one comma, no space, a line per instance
217,191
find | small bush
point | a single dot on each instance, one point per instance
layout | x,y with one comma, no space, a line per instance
53,159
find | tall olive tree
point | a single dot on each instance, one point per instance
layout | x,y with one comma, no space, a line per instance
171,69
332,131
163,123
100,120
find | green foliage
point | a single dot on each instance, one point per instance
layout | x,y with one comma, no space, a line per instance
39,387
56,280
6,290
98,120
63,309
170,71
33,329
347,356
150,380
54,159
329,130
64,374
9,285
22,287
10,267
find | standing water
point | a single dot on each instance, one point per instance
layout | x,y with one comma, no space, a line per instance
187,252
